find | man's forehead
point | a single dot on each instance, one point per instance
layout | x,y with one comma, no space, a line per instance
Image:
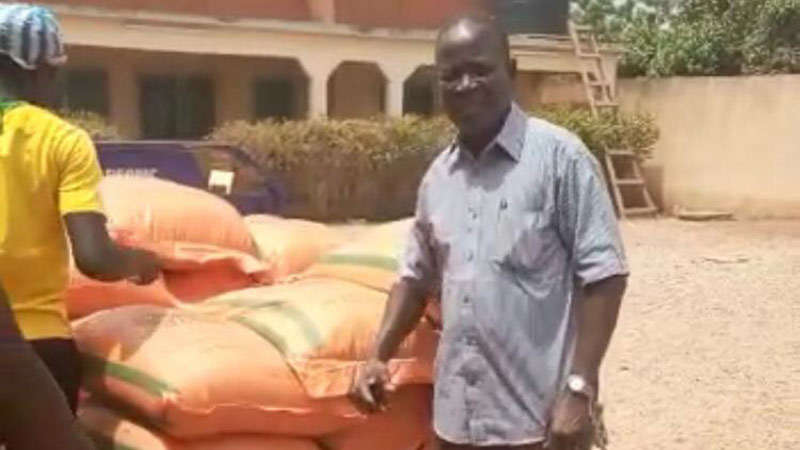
477,43
478,38
461,31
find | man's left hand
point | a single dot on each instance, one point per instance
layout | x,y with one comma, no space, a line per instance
571,426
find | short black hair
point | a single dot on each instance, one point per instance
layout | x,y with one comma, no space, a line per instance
482,20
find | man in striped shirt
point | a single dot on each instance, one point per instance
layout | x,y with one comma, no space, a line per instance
515,232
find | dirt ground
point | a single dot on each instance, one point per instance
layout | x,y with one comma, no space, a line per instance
707,352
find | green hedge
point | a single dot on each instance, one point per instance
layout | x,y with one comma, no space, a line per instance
637,132
344,169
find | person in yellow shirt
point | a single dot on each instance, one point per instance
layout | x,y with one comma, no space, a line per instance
49,176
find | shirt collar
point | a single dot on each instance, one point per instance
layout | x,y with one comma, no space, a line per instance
511,137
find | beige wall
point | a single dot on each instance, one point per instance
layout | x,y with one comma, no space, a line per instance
726,143
562,88
539,88
527,86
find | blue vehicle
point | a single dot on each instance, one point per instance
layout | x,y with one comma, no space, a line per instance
192,164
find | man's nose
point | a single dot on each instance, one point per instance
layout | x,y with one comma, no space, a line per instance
465,83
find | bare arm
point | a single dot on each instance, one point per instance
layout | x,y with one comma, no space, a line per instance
404,310
34,413
597,316
589,230
98,257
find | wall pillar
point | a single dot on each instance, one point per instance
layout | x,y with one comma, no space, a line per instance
396,76
123,91
318,72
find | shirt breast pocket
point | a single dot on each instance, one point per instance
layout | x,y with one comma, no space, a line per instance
523,237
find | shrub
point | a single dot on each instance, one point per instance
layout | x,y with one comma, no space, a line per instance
373,144
342,169
96,125
636,132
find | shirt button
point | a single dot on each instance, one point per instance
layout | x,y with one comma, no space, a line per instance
470,256
466,300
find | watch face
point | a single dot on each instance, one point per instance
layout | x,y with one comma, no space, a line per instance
576,383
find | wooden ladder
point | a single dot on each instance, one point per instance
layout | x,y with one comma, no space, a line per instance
631,196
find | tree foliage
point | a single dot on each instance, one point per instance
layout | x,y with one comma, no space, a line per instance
698,37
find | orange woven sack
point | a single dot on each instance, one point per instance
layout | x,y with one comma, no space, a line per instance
111,430
325,329
406,425
155,210
195,373
193,272
290,246
371,260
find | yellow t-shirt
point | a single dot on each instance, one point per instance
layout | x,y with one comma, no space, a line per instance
48,168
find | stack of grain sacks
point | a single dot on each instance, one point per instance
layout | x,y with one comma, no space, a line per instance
250,340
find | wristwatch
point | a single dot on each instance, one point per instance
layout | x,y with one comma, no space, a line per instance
578,385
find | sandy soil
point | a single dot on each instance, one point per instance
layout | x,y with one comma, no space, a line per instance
707,353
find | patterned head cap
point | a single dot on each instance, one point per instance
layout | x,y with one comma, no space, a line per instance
31,36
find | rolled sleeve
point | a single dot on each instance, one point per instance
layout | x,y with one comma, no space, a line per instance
79,175
587,221
418,262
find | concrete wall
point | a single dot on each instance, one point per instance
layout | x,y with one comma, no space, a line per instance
562,88
527,88
540,88
277,9
364,13
726,143
401,13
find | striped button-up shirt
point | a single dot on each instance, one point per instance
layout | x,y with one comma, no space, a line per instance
507,240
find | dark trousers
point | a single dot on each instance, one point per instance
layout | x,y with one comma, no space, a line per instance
34,425
63,361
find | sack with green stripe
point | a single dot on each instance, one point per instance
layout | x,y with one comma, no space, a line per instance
325,329
371,260
111,430
193,373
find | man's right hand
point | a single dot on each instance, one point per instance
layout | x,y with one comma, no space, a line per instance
145,265
369,393
404,310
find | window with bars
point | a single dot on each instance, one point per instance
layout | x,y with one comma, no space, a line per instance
175,107
273,98
85,90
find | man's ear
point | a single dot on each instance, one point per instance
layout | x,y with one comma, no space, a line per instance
512,68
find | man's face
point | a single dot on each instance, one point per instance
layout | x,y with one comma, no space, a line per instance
474,77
